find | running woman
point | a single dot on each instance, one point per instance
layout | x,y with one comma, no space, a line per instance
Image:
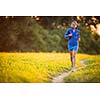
73,35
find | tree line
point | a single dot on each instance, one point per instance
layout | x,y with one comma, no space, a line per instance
46,33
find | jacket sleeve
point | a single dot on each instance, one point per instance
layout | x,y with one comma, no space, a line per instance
78,36
66,34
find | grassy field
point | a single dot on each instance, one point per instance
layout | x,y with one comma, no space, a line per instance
91,74
42,67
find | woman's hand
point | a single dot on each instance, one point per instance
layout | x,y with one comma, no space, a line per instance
79,40
70,34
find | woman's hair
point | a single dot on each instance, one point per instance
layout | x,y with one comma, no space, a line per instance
75,22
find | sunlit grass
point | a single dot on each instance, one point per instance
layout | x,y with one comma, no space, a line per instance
90,74
34,67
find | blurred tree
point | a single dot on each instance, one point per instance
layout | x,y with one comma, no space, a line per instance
46,33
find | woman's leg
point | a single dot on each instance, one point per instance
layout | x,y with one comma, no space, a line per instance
71,56
73,60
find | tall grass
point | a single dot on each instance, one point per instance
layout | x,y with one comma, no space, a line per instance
91,74
34,67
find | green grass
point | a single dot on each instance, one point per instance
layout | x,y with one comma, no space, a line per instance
34,67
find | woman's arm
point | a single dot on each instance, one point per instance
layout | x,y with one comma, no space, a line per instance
67,34
78,37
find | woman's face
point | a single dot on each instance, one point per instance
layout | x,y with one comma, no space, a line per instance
73,25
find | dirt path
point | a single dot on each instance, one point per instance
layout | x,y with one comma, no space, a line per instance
59,79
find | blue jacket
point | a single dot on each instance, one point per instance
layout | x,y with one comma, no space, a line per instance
72,40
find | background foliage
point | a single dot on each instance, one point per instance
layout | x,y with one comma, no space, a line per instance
46,33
